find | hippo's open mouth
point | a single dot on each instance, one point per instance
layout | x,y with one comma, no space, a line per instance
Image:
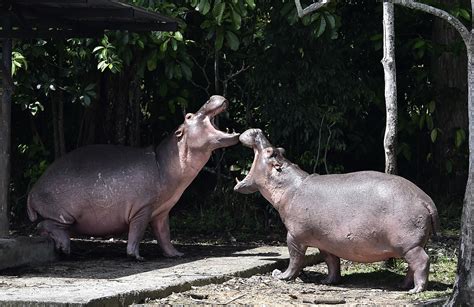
210,110
218,105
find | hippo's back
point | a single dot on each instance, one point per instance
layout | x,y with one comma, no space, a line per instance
93,180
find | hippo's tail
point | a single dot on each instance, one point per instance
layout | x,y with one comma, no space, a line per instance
430,206
32,215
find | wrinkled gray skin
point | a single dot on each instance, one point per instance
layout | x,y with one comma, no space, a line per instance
102,190
363,216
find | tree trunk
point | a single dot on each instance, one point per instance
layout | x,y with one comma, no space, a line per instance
449,79
134,98
463,293
61,139
57,108
54,112
388,62
5,132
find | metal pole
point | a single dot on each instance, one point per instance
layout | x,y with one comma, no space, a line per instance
5,129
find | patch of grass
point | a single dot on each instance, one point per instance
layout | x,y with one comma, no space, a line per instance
427,295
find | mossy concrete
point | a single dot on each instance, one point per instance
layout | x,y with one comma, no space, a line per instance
132,282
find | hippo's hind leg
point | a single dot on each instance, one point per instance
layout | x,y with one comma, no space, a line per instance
419,265
58,232
297,252
161,229
334,268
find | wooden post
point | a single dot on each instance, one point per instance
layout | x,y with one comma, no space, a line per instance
5,134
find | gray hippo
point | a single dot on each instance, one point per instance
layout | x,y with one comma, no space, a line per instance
102,190
362,216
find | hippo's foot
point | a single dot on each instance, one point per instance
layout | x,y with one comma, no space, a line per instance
172,253
417,289
283,276
136,257
58,233
331,280
408,282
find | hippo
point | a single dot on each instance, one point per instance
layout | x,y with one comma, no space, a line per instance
101,190
363,216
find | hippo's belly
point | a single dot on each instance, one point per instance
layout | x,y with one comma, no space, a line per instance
100,222
356,248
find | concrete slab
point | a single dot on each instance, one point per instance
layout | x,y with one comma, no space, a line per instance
20,251
119,282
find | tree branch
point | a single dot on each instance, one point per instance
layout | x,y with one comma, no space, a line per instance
310,8
463,31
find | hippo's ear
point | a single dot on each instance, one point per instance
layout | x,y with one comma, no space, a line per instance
179,133
281,150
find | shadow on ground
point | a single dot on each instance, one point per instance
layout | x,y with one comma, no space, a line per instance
382,279
108,260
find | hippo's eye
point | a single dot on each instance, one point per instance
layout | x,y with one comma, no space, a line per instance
189,116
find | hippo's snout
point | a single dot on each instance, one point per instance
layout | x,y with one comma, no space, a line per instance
248,137
254,138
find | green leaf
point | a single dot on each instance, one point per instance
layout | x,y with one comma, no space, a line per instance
419,43
204,6
89,87
237,19
376,37
235,168
87,100
332,21
322,27
449,166
465,14
178,36
97,49
459,138
432,106
232,40
251,3
218,11
152,62
434,135
306,20
429,122
164,46
421,123
219,39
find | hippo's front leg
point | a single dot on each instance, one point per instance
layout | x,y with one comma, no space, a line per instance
161,229
297,252
136,230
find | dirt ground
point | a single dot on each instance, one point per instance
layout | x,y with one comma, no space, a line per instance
363,284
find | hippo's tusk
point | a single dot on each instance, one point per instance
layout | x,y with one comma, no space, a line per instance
237,180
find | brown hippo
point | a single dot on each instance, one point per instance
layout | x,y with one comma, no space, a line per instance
102,190
362,216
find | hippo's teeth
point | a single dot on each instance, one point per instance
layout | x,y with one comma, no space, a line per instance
237,180
227,130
